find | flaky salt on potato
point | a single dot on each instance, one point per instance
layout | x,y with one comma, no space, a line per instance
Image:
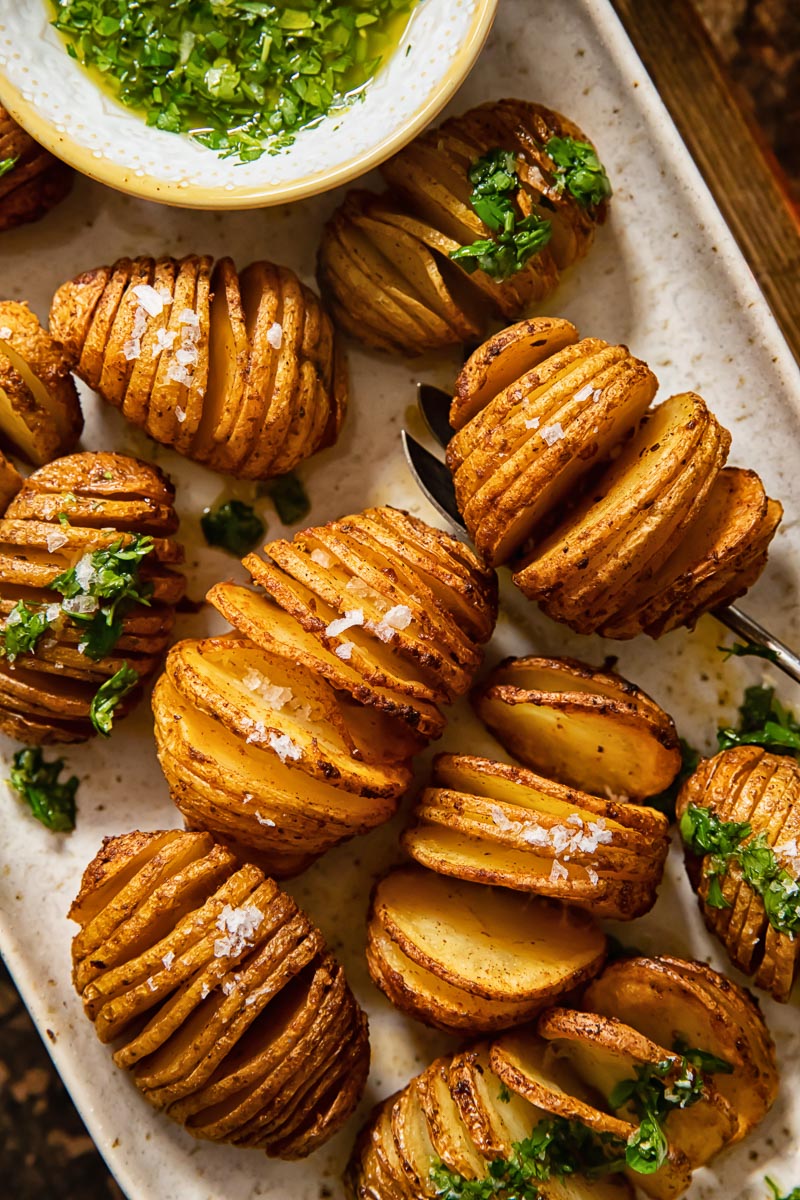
32,181
296,732
60,645
678,1003
467,958
40,413
390,264
583,726
616,517
496,824
219,995
240,372
740,820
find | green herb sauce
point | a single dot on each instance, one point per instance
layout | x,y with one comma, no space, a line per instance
239,76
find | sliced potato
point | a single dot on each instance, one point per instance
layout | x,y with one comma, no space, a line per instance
36,182
228,1010
243,375
585,727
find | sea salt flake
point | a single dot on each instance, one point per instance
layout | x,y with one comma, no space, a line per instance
164,294
533,423
168,959
151,983
5,333
501,820
149,299
180,414
187,356
56,540
353,616
228,986
594,878
139,324
277,697
558,871
164,340
283,746
264,820
51,614
344,651
189,317
534,835
80,604
596,394
616,797
275,335
238,927
178,373
132,349
584,393
321,558
204,991
258,732
396,618
553,433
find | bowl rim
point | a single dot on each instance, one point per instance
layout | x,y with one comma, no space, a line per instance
149,187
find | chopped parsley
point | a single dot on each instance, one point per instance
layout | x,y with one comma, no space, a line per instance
665,801
704,1060
108,696
579,170
556,1147
101,588
504,1094
763,721
7,164
774,1187
22,630
495,183
234,526
239,76
725,842
653,1092
748,650
36,780
289,497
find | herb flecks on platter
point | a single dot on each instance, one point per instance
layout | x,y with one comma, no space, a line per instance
233,526
290,498
495,185
724,843
763,721
240,76
109,695
36,781
97,592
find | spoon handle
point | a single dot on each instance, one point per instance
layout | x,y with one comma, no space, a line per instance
746,627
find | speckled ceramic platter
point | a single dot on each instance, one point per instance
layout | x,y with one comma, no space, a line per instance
666,278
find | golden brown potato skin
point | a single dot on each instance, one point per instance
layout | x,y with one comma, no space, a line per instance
616,517
238,371
37,181
384,260
40,413
297,732
45,696
748,784
469,1109
214,957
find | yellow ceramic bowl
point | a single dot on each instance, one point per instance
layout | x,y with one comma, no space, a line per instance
48,93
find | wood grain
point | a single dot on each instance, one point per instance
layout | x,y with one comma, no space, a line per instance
738,166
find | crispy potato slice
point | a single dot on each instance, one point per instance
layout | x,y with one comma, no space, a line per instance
538,951
582,726
229,1011
676,1003
37,180
40,413
228,355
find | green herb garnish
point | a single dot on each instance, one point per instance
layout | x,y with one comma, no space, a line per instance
235,526
579,170
748,650
704,1060
504,1094
289,497
763,721
101,588
654,1091
36,781
108,696
495,183
794,1194
22,630
665,801
556,1147
726,842
7,164
239,76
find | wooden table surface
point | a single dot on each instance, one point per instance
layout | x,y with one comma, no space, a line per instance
44,1150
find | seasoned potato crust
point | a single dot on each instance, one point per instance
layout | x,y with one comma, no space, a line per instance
36,182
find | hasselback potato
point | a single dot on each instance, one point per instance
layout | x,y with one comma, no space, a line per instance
40,414
740,821
296,732
552,1110
393,265
87,593
32,181
220,995
240,372
616,517
492,823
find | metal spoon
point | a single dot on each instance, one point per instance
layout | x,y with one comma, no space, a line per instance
435,480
